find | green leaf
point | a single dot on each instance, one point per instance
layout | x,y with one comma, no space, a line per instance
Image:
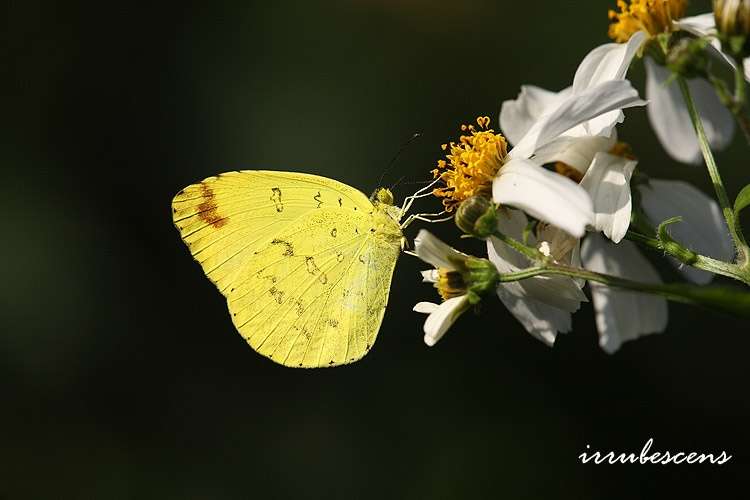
743,199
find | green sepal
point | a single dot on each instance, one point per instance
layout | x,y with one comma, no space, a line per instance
481,276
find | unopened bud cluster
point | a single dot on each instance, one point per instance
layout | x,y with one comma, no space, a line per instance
733,23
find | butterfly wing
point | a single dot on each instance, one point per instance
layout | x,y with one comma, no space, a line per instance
304,266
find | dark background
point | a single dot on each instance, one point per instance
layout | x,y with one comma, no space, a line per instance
121,375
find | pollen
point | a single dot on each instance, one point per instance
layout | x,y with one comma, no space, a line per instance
471,164
652,16
450,284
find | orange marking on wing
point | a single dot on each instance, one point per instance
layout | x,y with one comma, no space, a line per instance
207,210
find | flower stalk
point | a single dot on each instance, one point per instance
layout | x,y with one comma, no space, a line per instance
728,300
733,223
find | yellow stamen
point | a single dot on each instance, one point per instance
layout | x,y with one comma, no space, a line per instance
472,164
652,16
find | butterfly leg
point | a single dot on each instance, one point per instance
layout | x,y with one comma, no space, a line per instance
425,218
421,193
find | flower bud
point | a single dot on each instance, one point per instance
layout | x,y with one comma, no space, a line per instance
732,17
477,216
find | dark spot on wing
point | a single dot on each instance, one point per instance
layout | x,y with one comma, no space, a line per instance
208,211
333,322
317,198
276,199
312,267
340,203
361,259
330,362
276,294
323,278
339,256
289,251
333,232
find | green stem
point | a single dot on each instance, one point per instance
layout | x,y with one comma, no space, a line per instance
725,299
699,262
738,109
525,250
743,252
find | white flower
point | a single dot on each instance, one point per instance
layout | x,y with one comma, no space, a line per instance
574,117
622,315
666,110
433,251
703,228
604,176
542,304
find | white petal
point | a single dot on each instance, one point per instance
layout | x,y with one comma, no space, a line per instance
622,315
429,276
670,119
608,183
540,320
746,65
575,151
442,317
702,229
548,196
517,116
433,251
607,62
560,243
700,25
577,109
557,291
425,307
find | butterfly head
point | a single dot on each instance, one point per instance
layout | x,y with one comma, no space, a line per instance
382,195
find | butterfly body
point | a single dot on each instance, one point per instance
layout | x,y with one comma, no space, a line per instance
305,262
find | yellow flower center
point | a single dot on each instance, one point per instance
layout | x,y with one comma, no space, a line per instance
652,16
471,164
450,284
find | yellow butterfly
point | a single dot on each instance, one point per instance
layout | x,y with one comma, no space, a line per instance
305,262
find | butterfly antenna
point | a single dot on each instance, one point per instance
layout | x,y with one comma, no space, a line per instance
398,153
397,182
